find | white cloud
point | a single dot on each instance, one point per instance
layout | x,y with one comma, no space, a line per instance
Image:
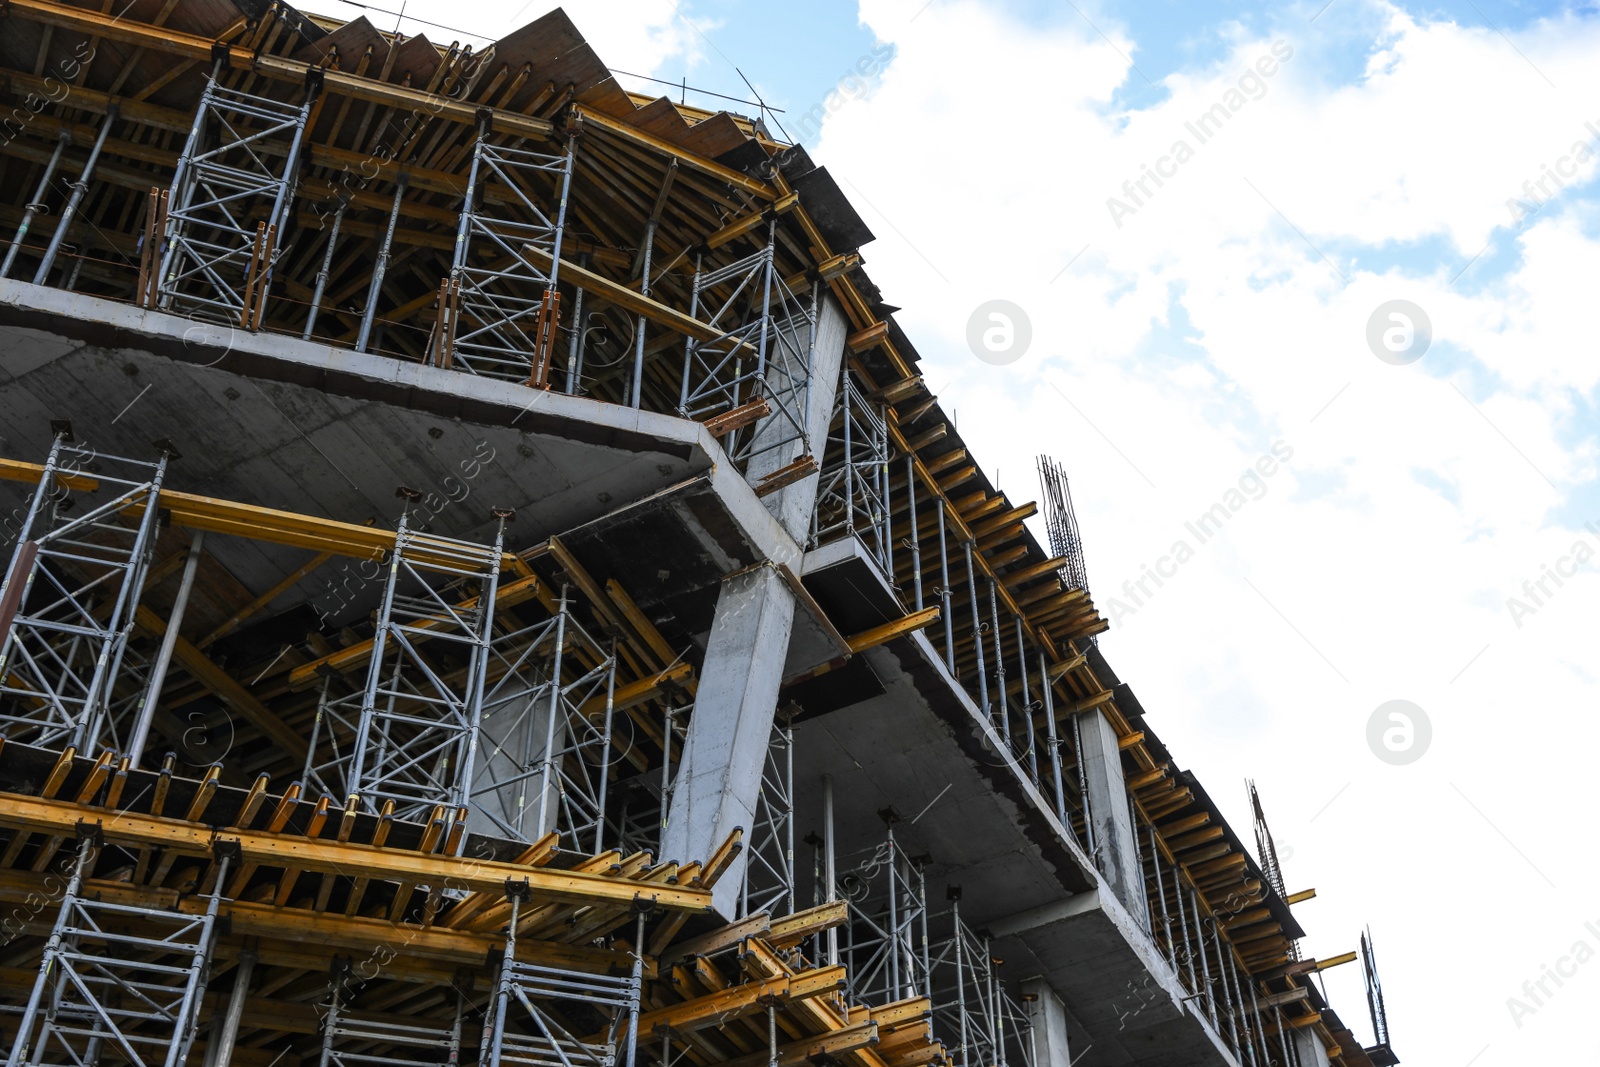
1384,551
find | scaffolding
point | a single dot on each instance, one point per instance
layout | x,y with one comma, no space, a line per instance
227,208
350,1040
541,1001
70,594
118,981
752,380
547,732
769,881
499,307
885,948
853,490
405,743
971,1005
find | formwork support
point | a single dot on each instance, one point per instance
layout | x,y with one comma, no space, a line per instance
546,733
62,648
351,1040
230,203
971,1006
37,204
761,359
769,883
501,310
410,734
118,981
79,189
886,949
531,997
853,487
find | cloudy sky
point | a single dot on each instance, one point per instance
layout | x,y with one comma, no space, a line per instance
1424,534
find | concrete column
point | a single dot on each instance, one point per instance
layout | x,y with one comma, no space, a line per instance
719,772
793,505
511,749
1048,1019
1309,1048
1116,852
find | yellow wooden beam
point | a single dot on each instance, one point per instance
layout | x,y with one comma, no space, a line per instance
61,818
172,42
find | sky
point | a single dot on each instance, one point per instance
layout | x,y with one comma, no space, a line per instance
1323,271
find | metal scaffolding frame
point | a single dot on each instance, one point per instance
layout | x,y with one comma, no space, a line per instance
228,206
118,980
68,602
769,881
756,373
545,994
973,1013
410,735
885,949
355,1041
547,732
853,490
499,310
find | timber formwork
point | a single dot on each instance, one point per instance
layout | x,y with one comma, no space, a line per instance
289,777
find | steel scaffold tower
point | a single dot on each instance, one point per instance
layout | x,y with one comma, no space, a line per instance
228,206
853,490
411,734
769,874
350,1040
68,602
118,980
499,308
544,995
971,1006
755,375
885,946
547,732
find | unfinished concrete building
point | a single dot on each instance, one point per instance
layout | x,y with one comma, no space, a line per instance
487,583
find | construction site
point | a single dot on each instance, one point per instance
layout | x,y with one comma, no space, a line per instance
487,583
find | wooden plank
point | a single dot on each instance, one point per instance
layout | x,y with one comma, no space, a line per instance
880,635
349,859
192,46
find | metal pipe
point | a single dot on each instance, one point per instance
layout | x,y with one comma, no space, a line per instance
223,1053
1050,739
1183,928
916,544
180,176
79,188
575,346
635,989
382,265
977,635
829,864
1027,703
1000,669
605,750
1161,888
327,265
169,642
1205,966
788,799
944,591
644,290
37,204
